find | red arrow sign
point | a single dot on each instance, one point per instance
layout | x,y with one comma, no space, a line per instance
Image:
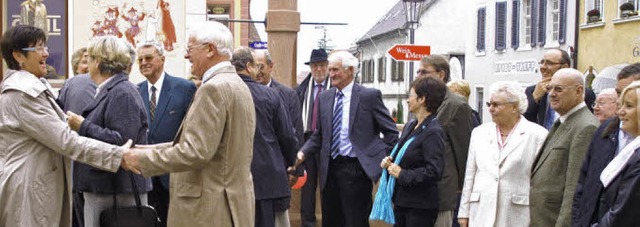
402,52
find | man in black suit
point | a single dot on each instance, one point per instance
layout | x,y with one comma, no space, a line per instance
274,146
166,100
538,110
308,91
350,147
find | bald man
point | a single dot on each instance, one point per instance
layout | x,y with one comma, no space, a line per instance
557,166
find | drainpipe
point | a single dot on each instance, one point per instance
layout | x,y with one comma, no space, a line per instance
577,29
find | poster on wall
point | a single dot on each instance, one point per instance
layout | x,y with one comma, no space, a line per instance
136,21
50,16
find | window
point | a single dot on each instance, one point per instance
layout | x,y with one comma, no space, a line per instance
515,24
480,46
367,71
382,67
526,17
218,12
479,100
555,20
397,70
634,2
501,26
542,28
591,5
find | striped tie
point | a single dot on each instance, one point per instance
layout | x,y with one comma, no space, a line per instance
337,125
152,103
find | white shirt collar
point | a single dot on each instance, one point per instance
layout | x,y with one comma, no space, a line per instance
346,91
158,86
563,118
102,85
209,73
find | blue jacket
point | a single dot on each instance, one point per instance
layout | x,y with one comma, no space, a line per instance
114,116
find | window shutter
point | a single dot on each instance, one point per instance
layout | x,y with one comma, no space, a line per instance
481,30
542,21
381,69
501,26
534,20
563,22
515,25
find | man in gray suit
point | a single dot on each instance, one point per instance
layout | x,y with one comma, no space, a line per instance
350,147
456,119
556,168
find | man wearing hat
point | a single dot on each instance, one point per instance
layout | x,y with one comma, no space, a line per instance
308,92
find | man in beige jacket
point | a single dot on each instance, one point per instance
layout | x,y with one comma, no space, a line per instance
210,159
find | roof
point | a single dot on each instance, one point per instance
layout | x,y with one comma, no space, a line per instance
393,20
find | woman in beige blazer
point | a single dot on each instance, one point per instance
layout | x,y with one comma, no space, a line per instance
496,185
35,142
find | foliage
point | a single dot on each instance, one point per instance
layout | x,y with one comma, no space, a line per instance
593,13
627,6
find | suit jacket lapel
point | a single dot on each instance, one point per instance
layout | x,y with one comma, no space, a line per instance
552,139
144,93
163,102
353,108
327,123
103,93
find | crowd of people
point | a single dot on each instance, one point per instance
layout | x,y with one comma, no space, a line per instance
225,150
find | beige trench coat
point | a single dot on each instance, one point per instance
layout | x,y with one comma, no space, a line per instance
35,149
210,160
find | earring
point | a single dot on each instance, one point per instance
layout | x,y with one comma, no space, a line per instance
21,65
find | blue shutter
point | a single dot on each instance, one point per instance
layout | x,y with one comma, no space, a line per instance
563,22
515,25
481,29
501,26
534,21
542,21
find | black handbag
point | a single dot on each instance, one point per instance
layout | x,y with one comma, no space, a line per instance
130,216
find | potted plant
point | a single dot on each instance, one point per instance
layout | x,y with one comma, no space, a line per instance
627,9
593,15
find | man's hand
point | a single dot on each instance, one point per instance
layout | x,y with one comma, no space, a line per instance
394,170
464,222
131,161
541,89
299,160
386,161
74,121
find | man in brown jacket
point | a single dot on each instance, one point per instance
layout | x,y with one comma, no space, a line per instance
210,159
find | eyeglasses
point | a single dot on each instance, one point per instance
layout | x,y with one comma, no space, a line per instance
39,49
425,72
147,58
496,104
189,48
558,88
260,66
600,104
547,62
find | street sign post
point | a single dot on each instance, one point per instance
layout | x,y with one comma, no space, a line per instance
405,52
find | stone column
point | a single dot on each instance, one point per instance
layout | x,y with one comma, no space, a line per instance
283,24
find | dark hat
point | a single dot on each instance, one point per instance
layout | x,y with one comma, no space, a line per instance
317,55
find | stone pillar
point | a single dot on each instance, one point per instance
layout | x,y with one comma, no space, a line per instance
283,24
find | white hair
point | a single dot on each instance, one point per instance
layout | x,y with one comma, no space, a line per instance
610,92
152,43
347,59
513,92
213,32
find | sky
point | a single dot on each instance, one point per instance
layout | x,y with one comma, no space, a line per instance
361,15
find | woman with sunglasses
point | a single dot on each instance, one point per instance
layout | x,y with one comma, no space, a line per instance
501,153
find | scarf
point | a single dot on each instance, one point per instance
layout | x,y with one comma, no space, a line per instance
619,162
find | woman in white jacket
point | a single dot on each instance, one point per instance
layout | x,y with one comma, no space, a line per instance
496,185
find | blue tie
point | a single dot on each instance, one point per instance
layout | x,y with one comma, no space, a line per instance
337,125
549,116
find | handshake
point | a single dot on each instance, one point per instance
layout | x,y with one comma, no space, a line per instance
130,160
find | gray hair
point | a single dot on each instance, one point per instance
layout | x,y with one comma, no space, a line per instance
609,92
152,43
242,57
132,54
347,59
213,32
267,56
513,92
112,53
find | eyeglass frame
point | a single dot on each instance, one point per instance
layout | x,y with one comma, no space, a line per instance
426,72
188,49
39,49
602,103
148,57
562,88
496,104
547,62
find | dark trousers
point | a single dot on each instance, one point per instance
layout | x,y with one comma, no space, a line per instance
308,191
159,200
78,209
346,198
409,217
266,210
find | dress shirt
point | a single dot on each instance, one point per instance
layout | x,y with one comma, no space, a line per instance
209,73
101,85
563,118
158,86
315,89
345,143
624,138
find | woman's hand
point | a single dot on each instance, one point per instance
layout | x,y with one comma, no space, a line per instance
386,161
74,121
394,170
464,222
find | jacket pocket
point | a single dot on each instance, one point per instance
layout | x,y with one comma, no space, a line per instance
520,199
475,197
189,190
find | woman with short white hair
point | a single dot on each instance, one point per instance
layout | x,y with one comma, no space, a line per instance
501,153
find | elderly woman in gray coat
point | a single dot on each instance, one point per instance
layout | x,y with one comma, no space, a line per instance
36,144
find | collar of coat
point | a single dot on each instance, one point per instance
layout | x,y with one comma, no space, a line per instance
23,81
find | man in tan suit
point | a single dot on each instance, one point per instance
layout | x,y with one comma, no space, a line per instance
556,168
210,159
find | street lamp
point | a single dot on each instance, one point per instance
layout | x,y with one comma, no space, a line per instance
412,11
